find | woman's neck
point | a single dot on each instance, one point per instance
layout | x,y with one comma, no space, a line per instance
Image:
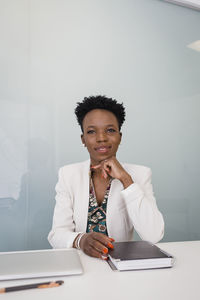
98,175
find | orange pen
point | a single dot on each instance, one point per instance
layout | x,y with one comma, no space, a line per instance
40,285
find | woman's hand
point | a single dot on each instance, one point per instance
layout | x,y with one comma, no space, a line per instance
112,167
96,244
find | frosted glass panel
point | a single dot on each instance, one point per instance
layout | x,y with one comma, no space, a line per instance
52,54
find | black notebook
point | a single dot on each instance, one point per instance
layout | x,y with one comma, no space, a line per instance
138,255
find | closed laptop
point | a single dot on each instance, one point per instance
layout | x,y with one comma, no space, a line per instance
39,263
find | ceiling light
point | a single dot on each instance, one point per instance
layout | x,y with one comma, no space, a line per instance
195,4
195,45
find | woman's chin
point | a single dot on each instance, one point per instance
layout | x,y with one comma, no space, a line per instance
100,158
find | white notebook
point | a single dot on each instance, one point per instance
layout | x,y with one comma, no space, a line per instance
39,263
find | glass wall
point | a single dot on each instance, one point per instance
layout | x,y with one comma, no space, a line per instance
55,52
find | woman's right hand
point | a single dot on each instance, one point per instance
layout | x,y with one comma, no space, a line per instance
96,244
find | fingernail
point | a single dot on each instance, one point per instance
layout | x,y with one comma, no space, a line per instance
97,166
112,240
104,257
105,250
110,246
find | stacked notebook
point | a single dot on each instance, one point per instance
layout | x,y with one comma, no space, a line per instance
138,255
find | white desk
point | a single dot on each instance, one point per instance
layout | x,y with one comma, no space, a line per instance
100,282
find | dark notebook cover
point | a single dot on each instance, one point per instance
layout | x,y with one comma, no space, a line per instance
137,250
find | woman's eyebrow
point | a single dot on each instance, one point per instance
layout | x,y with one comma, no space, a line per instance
109,125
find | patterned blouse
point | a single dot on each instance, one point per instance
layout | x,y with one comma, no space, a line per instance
96,212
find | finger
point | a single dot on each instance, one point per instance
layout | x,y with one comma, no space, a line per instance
104,239
94,253
96,167
104,174
99,246
111,239
107,165
108,169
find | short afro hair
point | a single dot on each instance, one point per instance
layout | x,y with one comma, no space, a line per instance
99,102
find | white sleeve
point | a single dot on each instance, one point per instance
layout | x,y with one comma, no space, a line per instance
142,209
63,232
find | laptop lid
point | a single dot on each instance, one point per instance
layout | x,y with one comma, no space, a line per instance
39,263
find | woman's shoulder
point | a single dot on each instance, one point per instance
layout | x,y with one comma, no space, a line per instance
136,167
137,170
74,168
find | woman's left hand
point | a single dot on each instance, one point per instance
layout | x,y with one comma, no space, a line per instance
112,167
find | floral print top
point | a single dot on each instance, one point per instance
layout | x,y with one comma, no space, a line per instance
97,213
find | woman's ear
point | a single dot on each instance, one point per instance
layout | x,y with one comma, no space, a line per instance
82,139
120,137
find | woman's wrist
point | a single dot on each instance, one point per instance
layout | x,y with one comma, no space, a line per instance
77,240
126,180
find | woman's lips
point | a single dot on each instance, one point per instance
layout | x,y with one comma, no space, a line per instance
102,149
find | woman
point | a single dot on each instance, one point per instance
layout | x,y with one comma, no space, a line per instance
102,200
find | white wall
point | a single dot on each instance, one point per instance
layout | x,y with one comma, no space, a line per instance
55,52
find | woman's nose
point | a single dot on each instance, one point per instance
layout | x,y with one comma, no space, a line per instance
101,137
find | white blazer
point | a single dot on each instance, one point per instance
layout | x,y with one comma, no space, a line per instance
127,209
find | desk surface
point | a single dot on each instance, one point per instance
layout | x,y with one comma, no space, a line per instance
100,282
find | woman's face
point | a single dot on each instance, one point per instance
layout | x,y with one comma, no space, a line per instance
101,134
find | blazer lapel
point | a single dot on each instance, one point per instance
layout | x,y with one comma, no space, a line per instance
82,191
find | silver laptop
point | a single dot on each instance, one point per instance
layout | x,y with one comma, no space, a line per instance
39,263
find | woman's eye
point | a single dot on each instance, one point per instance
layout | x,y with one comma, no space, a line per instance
90,131
111,130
